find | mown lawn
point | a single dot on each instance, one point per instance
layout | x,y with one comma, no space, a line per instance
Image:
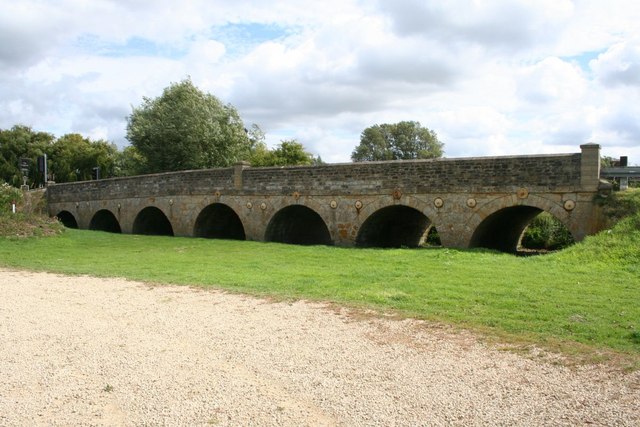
584,299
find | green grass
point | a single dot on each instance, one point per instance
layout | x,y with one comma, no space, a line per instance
584,299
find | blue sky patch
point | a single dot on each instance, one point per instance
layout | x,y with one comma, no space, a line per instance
242,37
135,46
584,58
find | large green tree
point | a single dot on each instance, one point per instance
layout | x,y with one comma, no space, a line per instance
399,141
185,128
72,158
22,142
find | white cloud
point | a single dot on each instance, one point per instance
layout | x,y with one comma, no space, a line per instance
619,65
551,81
495,25
621,124
490,77
27,33
473,122
595,25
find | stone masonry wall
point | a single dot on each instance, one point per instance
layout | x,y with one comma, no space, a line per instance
184,182
440,175
485,174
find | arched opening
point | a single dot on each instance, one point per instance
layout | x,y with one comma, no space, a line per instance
545,233
152,221
298,225
219,221
394,227
503,230
67,219
104,220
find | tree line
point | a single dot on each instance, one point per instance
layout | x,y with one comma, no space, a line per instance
71,157
185,128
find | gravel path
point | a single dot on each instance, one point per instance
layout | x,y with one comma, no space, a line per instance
88,351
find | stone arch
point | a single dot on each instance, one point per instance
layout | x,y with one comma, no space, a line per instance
219,221
298,224
418,204
152,221
321,209
500,223
67,219
394,226
105,220
425,207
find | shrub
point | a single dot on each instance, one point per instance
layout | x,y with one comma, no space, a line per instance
546,232
8,194
29,220
620,204
433,238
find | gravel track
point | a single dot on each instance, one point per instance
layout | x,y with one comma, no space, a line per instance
89,351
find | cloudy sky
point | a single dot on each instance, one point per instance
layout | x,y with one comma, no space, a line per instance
491,77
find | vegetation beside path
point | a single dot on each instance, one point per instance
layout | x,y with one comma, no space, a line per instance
582,300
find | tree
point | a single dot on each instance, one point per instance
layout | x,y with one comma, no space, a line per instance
185,128
72,158
22,142
256,136
400,141
261,155
287,153
130,162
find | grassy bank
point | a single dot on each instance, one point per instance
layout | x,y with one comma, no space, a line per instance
583,299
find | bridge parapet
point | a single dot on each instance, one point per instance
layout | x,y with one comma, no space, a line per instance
562,172
160,184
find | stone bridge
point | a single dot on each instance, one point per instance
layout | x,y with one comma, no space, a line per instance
472,202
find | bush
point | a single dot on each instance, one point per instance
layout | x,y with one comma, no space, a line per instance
8,195
619,205
29,220
546,232
433,238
